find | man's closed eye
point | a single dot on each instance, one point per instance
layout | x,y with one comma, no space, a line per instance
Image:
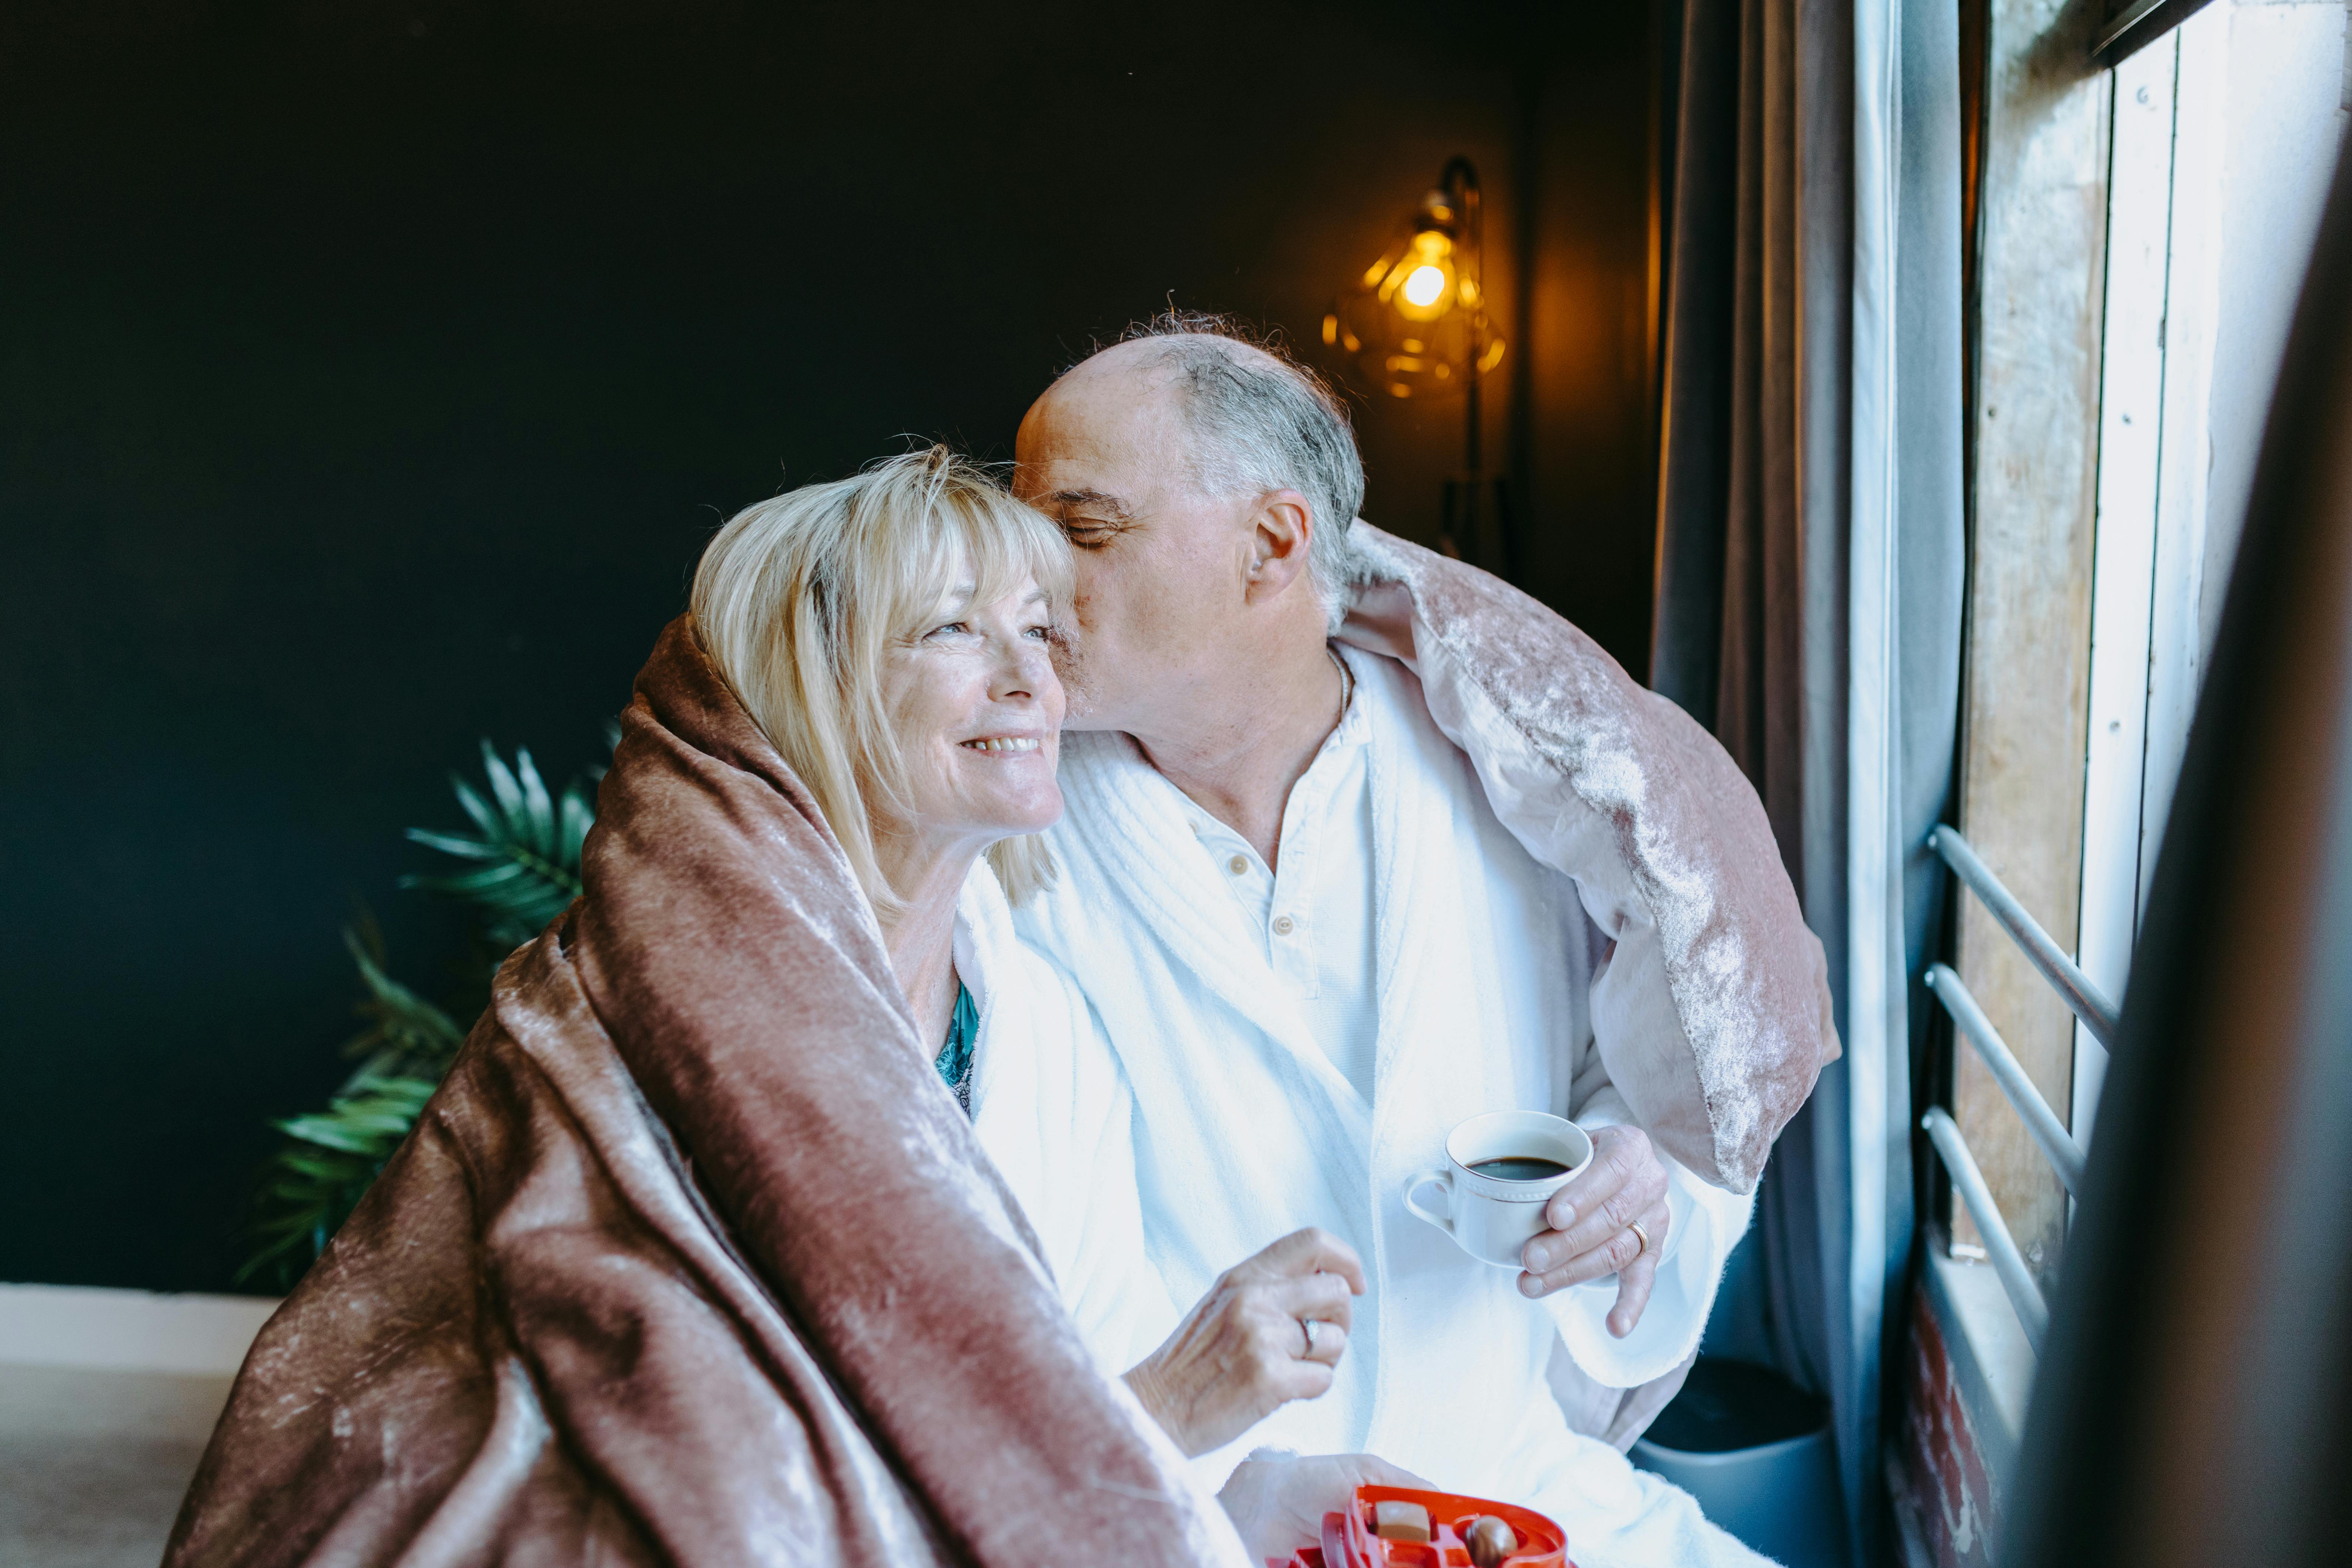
1088,533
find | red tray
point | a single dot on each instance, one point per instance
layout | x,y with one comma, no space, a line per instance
1348,1542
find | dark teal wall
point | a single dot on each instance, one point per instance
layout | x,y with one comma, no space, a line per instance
371,376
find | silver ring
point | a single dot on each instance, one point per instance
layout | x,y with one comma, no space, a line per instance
1307,1327
1639,1234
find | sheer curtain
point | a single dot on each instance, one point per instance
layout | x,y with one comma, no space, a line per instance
1809,583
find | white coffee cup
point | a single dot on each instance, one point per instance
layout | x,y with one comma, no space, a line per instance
1492,1217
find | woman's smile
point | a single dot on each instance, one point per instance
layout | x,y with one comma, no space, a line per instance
979,682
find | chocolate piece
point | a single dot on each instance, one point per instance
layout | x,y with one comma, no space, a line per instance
1398,1521
1490,1540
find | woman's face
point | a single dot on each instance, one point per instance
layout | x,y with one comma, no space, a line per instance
979,711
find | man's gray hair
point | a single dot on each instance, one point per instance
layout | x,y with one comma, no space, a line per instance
1260,422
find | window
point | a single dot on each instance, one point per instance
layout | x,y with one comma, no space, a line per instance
2141,235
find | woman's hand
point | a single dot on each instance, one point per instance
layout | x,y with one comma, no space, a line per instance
1244,1351
1277,1501
1592,1220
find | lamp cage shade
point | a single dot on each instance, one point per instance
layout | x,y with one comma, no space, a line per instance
1414,325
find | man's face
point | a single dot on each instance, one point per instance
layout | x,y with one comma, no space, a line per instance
1162,570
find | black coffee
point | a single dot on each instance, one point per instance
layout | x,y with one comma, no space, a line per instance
1519,1168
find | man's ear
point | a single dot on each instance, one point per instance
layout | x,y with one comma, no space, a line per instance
1281,531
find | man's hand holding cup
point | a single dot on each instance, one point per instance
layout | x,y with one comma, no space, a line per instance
1609,1218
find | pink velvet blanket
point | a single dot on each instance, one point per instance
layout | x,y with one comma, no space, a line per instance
693,1259
1713,1011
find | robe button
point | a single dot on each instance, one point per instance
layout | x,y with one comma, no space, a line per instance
1238,865
1282,925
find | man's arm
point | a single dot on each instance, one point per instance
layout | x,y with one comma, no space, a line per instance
1614,1218
1713,1011
1656,1316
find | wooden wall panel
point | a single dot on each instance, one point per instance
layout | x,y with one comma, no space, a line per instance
2036,462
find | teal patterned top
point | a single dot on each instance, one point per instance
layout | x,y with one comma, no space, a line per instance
955,1057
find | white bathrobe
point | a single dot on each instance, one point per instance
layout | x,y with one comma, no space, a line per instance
1243,1129
1050,1106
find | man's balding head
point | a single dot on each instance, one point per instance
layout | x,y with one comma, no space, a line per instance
1207,484
1248,420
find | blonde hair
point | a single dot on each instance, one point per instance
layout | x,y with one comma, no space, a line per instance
798,600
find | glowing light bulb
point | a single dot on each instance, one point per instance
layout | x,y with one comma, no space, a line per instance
1414,323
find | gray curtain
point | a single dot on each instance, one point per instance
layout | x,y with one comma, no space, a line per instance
1756,134
1755,585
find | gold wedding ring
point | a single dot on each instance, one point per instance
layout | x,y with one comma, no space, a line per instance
1639,1234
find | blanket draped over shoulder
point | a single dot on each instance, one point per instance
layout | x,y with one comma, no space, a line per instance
692,1260
1713,1011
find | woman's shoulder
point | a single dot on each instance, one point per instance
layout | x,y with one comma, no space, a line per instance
1053,997
997,962
1029,1001
1046,1082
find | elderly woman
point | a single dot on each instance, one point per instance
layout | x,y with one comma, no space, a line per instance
893,636
695,1256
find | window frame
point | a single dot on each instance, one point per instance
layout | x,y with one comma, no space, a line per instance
2178,154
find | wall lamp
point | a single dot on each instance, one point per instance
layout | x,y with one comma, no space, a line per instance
1415,325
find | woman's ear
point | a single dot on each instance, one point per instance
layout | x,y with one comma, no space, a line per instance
1282,529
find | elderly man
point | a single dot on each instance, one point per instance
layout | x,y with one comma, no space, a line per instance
1332,897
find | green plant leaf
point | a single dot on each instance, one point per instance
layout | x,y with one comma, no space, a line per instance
474,807
572,831
527,856
537,811
503,786
523,869
450,844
